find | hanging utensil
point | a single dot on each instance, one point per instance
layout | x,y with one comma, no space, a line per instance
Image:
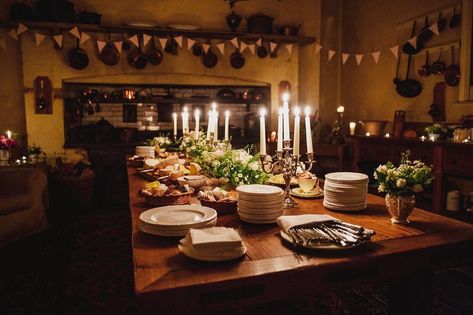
197,50
262,51
408,48
237,60
409,87
442,22
109,54
438,67
136,58
209,59
455,20
78,58
154,56
452,74
424,70
425,34
396,80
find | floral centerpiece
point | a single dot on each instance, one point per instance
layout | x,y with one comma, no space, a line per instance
401,183
7,144
160,142
219,160
436,131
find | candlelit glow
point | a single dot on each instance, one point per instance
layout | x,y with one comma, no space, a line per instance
280,111
262,112
422,138
307,110
227,125
8,134
340,109
214,106
297,111
174,119
368,134
197,119
285,97
387,135
227,113
352,128
432,138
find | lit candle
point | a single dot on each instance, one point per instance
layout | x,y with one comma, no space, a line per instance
8,134
422,138
297,127
387,135
352,128
174,118
308,130
227,121
368,134
279,147
285,98
215,125
185,121
209,124
262,132
197,119
340,109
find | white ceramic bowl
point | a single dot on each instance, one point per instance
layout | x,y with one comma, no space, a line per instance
194,181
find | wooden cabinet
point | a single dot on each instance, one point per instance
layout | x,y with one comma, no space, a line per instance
447,159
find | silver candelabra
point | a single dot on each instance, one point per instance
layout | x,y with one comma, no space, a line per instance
289,164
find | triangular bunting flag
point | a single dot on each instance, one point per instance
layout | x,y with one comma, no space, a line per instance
221,48
134,40
234,42
243,46
358,58
289,48
2,43
146,39
331,53
178,40
317,48
38,38
252,48
58,39
163,41
21,29
395,50
259,42
101,45
119,46
345,58
376,56
12,34
84,37
190,43
206,47
75,32
434,28
413,41
272,46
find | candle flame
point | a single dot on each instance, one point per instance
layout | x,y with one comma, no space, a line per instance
262,112
286,96
307,110
340,109
184,109
214,105
281,111
174,115
227,113
297,111
352,124
197,113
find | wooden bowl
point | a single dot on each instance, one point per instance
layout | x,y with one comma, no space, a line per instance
170,200
222,207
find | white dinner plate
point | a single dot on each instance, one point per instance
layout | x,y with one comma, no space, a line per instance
256,211
331,247
223,256
314,193
182,232
259,190
178,215
340,208
250,220
260,217
177,227
346,177
260,205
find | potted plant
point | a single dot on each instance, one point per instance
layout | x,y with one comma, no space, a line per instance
7,144
33,153
436,131
401,183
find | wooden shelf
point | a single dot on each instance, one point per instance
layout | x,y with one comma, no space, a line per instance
56,28
183,100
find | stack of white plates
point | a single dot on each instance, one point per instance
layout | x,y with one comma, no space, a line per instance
345,191
145,151
176,220
260,204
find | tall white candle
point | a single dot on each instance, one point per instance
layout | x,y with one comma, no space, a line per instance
185,121
209,124
8,134
262,132
197,119
215,125
352,128
174,119
308,130
227,121
340,109
279,147
297,128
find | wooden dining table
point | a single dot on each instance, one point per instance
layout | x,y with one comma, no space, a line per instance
402,256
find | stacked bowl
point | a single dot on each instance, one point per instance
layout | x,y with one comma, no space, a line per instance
260,204
345,191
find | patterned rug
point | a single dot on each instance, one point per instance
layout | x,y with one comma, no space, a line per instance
84,266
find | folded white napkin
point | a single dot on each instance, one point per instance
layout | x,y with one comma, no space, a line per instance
288,221
214,237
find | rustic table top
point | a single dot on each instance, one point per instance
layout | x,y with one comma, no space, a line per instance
272,268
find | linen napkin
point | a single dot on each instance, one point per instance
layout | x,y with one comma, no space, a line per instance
288,221
220,236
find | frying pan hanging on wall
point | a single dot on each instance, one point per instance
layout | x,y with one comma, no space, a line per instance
409,87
